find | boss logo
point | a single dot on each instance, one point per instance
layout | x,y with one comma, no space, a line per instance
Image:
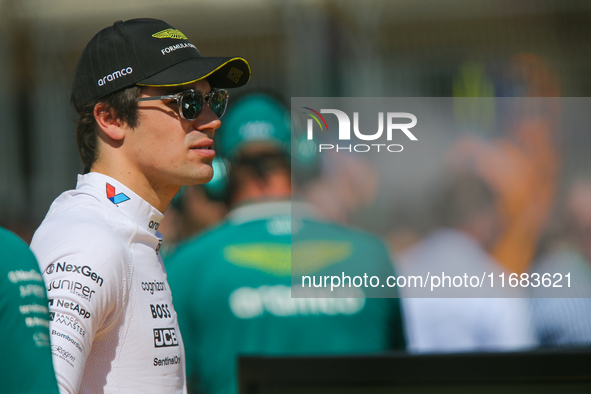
160,311
165,337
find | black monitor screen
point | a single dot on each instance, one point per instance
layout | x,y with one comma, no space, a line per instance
540,371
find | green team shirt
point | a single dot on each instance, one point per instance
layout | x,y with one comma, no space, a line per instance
25,365
232,292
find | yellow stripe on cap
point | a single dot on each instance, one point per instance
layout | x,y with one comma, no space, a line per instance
205,76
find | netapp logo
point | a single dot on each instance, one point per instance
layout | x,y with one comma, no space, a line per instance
77,269
115,75
158,362
165,337
69,305
160,311
153,286
86,292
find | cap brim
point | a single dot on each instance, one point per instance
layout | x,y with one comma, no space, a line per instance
221,72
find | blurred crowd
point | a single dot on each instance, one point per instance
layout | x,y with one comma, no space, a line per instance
508,192
502,204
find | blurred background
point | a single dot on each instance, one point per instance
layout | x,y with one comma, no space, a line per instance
296,48
510,183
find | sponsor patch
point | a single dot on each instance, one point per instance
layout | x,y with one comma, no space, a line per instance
153,286
24,276
165,337
67,321
170,33
159,362
234,75
62,353
67,338
69,305
160,311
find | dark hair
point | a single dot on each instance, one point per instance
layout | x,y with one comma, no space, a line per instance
255,165
463,196
124,104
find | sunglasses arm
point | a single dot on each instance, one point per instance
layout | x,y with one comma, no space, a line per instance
167,97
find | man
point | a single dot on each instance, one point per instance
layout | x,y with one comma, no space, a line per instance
232,286
469,226
147,119
25,367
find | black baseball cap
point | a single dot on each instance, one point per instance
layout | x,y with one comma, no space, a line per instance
148,52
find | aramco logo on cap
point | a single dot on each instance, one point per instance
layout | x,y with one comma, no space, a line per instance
115,198
170,33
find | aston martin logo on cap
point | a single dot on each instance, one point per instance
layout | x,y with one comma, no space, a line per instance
234,74
170,33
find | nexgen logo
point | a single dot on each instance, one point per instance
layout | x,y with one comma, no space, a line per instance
393,123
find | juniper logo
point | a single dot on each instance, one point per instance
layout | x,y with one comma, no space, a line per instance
344,122
170,33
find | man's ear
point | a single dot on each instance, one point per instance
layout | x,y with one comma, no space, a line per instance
108,122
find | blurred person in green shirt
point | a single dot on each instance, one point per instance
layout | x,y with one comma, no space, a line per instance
25,365
232,285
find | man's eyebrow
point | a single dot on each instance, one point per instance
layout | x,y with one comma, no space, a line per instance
172,89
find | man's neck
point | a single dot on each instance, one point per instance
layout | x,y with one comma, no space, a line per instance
154,193
276,186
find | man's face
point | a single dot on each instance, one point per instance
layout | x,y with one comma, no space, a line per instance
167,149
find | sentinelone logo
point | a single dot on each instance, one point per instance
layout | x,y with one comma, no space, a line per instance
345,130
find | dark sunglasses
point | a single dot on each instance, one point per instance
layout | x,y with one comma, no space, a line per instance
191,102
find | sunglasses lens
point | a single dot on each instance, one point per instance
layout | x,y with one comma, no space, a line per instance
218,102
191,105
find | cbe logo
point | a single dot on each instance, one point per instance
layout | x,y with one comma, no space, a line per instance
345,130
165,337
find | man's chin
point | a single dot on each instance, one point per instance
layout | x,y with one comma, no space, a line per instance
200,178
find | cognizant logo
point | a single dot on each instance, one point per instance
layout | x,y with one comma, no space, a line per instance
345,130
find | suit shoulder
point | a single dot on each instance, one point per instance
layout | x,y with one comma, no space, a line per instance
83,234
